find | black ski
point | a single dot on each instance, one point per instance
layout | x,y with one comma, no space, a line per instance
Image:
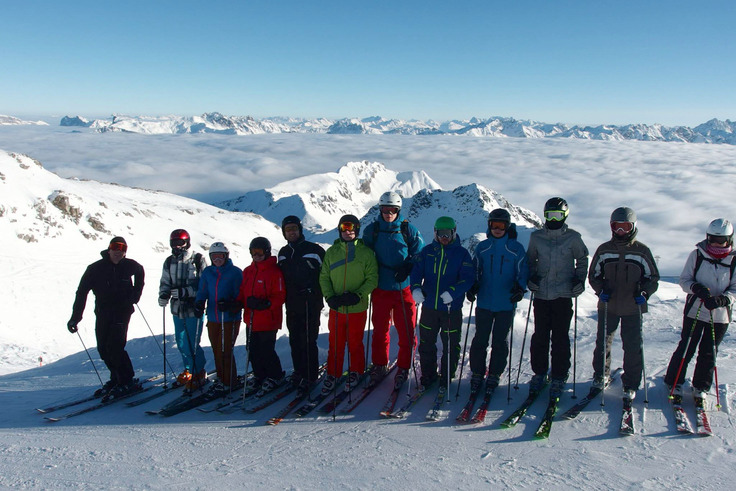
512,420
76,402
319,399
99,405
342,395
434,413
594,392
367,390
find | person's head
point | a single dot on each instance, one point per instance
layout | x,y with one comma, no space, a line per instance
260,249
117,249
555,213
292,229
444,230
389,205
179,241
348,228
499,221
720,233
623,223
219,254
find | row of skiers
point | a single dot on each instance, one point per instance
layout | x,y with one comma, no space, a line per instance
388,272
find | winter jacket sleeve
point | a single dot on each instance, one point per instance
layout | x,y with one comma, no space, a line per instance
522,268
417,272
370,282
80,299
417,241
595,274
649,283
581,259
466,276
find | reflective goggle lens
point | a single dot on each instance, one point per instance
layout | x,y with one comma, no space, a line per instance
444,234
217,255
347,227
390,210
257,252
555,215
717,239
118,246
622,227
497,225
177,242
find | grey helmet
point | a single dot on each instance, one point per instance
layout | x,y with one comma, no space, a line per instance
219,247
623,214
389,198
720,227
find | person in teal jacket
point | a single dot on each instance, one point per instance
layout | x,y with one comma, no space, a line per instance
502,273
441,276
348,276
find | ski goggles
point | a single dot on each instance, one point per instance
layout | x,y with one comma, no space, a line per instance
496,225
217,255
348,227
118,246
555,215
390,210
257,252
622,227
178,242
444,234
717,239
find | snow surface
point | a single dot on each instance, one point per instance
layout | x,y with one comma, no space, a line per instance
120,447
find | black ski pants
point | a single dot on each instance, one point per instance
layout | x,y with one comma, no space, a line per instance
445,323
551,324
263,355
111,331
303,325
493,327
631,340
700,336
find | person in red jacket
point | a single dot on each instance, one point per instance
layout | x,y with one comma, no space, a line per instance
263,294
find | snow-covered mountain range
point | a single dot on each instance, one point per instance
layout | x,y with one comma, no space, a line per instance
713,131
11,120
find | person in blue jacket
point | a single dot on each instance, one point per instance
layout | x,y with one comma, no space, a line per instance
441,276
502,273
219,288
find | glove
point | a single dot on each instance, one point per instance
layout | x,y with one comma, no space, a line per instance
229,306
578,287
334,302
701,291
517,293
641,298
473,292
255,303
533,282
72,326
715,302
417,295
349,298
179,293
605,295
404,271
446,298
199,309
163,299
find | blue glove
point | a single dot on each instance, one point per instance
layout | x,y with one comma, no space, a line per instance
640,299
604,296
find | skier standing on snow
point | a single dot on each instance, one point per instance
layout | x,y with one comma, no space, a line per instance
395,242
558,265
300,262
502,272
442,274
711,286
624,275
180,282
218,288
117,283
348,276
263,293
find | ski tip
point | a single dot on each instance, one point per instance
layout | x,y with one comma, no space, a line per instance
52,420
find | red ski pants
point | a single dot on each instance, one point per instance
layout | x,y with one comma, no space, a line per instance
388,304
346,329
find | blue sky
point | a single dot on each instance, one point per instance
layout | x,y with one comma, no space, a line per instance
585,62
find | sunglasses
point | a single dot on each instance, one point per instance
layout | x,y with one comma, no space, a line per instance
348,227
555,215
118,246
177,242
257,252
622,227
389,210
444,234
498,225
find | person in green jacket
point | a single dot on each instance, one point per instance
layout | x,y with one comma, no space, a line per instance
348,276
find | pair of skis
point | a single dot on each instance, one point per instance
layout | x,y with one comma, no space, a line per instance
683,422
480,413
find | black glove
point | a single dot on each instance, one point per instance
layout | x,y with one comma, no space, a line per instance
334,302
403,272
517,293
715,302
229,305
198,309
533,282
256,303
578,287
473,292
72,326
349,298
700,291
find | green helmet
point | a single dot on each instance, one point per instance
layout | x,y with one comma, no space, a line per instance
445,223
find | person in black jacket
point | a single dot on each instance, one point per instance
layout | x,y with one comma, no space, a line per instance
117,283
300,262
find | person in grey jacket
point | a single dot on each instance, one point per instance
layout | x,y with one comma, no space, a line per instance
624,275
558,265
711,286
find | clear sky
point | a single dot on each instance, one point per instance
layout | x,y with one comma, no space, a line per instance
580,62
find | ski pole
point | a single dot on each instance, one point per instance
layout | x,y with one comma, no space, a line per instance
604,345
163,323
523,343
159,347
347,343
90,359
308,345
575,350
447,344
715,358
248,332
511,351
368,343
465,347
684,353
414,352
334,351
643,362
231,347
410,332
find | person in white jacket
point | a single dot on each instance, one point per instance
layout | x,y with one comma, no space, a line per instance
711,286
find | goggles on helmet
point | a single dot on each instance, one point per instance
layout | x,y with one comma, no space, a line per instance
348,227
118,246
497,225
444,234
217,255
622,227
717,239
390,210
178,242
555,215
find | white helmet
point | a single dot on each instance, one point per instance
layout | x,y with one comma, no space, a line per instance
219,247
722,228
389,198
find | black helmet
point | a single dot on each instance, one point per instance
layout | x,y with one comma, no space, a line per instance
292,219
179,235
261,243
349,219
555,212
499,215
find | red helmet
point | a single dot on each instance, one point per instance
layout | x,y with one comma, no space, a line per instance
180,237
